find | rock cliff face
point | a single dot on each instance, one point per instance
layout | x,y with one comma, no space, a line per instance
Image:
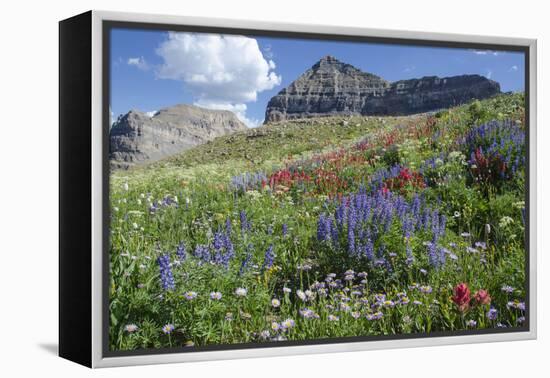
331,87
137,137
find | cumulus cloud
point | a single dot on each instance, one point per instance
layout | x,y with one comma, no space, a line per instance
139,62
220,71
513,68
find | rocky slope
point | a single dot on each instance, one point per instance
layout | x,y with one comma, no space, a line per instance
137,138
331,87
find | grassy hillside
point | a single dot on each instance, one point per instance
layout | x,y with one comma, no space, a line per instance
325,227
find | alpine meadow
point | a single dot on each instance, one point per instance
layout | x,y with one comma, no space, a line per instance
360,208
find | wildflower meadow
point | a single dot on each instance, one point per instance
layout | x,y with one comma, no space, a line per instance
325,228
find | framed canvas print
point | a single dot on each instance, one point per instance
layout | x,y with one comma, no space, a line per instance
236,189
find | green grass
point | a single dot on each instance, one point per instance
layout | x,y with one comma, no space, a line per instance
201,202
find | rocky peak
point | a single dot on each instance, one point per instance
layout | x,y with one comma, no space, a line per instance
137,137
332,87
329,63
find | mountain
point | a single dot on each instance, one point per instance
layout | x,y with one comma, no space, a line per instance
331,87
137,137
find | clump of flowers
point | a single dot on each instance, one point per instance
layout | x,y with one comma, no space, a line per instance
190,295
492,314
269,257
360,220
461,297
241,292
168,329
248,181
507,289
166,276
131,328
406,179
287,178
215,295
166,202
287,324
482,297
180,252
497,151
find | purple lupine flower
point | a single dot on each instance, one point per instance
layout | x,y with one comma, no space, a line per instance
435,224
442,225
202,253
229,250
246,262
368,250
269,257
284,230
339,215
333,232
433,257
228,226
321,228
166,277
351,242
442,256
217,245
248,181
244,221
180,252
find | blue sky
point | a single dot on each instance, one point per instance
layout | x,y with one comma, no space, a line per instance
151,70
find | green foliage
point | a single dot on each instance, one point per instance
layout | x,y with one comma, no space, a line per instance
189,199
391,156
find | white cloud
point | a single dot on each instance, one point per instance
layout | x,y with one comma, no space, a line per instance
138,62
238,109
409,69
221,72
513,68
486,52
268,51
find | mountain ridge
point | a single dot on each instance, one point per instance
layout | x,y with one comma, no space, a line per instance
138,138
332,87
